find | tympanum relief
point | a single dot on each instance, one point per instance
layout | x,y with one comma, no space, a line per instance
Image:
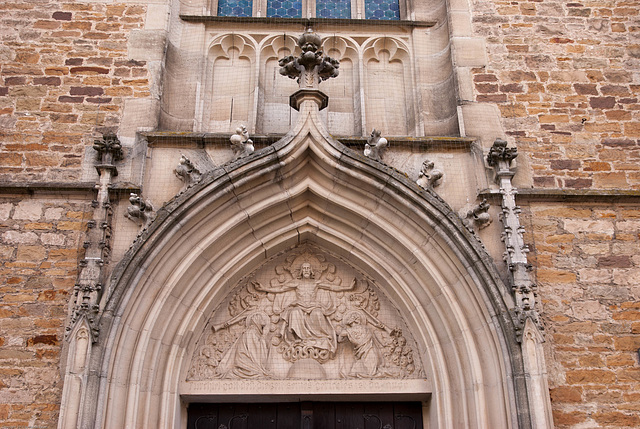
305,316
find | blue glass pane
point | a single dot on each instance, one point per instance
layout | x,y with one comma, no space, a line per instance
235,7
333,9
284,9
381,9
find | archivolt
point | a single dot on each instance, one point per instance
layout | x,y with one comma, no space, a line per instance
307,187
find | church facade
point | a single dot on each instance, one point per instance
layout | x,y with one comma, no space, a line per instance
319,213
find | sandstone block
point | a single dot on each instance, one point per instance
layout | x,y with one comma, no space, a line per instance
469,52
590,376
576,226
30,253
568,418
16,237
146,45
5,211
555,276
52,239
590,310
627,343
53,213
615,418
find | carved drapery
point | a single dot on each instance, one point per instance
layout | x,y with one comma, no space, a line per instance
305,315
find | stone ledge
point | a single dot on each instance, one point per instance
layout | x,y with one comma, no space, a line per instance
315,22
200,140
83,190
569,195
291,390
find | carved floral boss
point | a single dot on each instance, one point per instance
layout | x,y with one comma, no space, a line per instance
307,321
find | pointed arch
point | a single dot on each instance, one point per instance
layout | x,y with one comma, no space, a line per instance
307,188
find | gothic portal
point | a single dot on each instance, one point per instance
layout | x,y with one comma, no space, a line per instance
297,268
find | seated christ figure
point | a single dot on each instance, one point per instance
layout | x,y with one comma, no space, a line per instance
305,305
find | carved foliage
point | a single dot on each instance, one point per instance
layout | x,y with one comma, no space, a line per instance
478,217
312,66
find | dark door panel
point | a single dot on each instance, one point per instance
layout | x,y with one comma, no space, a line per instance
307,415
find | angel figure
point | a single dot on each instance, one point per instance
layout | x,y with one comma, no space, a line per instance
366,346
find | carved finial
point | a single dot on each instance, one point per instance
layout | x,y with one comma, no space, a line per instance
478,217
429,175
375,146
500,158
312,66
140,211
500,152
241,144
109,148
186,171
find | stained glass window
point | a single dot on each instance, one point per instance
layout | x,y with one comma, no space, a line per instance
382,9
235,7
284,9
333,9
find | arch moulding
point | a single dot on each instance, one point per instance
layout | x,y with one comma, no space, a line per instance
306,191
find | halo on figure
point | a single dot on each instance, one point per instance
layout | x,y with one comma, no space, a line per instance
353,316
306,258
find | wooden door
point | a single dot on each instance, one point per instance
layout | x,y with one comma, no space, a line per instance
307,415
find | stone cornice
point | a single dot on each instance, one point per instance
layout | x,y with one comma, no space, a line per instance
570,195
79,190
200,140
314,22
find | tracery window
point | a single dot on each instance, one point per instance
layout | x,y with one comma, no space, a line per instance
235,7
382,9
333,9
329,9
284,9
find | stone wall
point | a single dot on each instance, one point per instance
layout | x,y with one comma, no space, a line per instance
563,74
40,245
588,272
65,73
565,77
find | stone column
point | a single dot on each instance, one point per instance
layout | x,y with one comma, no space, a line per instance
525,314
82,330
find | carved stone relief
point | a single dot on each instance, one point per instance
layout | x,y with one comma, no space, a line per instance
241,144
429,176
375,146
305,315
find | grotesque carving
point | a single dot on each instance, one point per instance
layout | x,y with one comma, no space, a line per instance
478,217
109,149
186,171
241,144
375,146
140,211
429,175
311,67
303,320
499,152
